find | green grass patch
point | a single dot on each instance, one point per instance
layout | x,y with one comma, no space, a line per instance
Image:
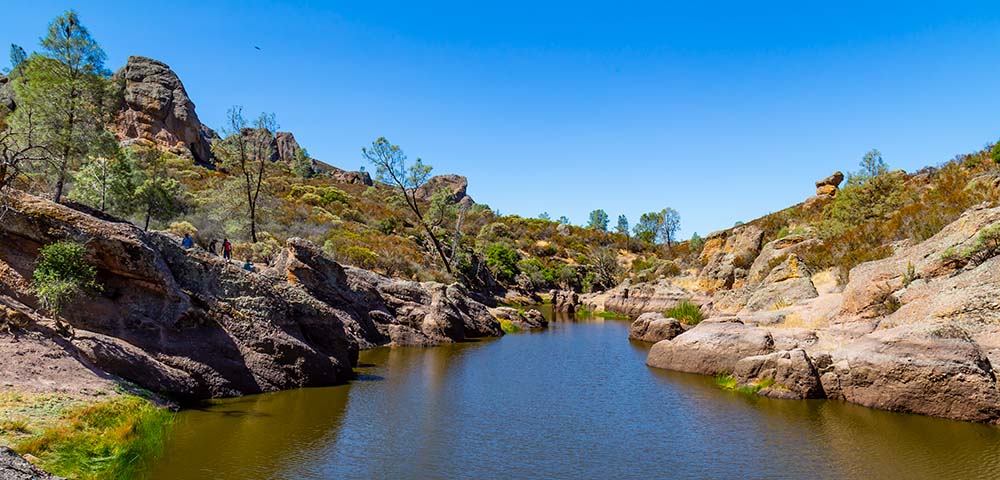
685,312
586,312
508,326
111,439
728,382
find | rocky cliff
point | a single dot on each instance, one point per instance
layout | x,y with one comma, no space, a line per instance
157,108
192,325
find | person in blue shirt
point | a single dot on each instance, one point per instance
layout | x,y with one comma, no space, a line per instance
248,266
188,242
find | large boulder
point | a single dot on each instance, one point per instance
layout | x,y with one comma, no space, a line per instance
654,327
712,347
522,319
157,108
564,301
635,299
788,282
828,185
454,185
786,374
728,256
930,368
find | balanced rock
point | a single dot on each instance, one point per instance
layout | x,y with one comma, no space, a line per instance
828,186
157,108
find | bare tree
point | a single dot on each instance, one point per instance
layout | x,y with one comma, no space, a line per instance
248,152
18,147
391,168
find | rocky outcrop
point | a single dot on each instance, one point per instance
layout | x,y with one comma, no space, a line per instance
190,324
654,327
15,467
786,374
931,369
564,301
454,185
826,190
157,108
787,283
711,347
728,256
7,102
286,147
522,319
629,299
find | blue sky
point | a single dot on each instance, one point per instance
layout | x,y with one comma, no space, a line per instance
724,111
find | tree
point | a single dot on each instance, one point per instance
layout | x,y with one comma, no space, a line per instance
563,220
872,164
544,216
108,184
622,229
302,164
62,274
19,147
17,56
671,224
696,242
157,196
598,220
67,92
248,152
502,261
648,227
391,167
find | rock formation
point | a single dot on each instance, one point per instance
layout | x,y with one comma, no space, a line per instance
157,108
15,467
728,256
455,185
7,102
190,324
523,319
826,190
654,327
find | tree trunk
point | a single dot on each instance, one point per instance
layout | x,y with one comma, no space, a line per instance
149,212
253,222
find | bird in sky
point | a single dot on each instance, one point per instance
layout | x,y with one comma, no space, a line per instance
255,46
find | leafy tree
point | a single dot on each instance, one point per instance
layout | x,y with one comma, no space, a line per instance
108,184
647,228
502,261
391,167
62,274
66,93
156,196
622,229
607,272
563,220
696,242
248,152
869,193
302,164
671,224
659,226
17,56
544,216
598,220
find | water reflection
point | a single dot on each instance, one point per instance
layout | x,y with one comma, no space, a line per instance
574,401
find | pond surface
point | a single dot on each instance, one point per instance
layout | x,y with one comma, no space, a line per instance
574,401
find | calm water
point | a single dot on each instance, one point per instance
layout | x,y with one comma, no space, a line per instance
575,401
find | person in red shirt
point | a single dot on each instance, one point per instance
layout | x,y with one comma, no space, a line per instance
227,249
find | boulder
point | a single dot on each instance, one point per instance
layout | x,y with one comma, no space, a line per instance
635,299
828,185
454,185
15,467
931,369
728,255
654,327
356,178
157,108
711,347
786,374
524,320
564,301
286,147
788,282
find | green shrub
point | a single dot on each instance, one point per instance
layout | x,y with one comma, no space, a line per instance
502,261
62,274
508,326
685,312
332,195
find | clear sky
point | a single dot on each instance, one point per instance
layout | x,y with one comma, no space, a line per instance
724,111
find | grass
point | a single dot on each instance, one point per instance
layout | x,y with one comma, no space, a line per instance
685,312
110,439
728,382
508,326
586,312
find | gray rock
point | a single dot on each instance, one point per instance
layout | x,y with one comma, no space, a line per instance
654,327
711,347
15,467
786,374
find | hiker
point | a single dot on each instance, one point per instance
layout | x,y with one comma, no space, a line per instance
212,247
227,249
188,242
248,266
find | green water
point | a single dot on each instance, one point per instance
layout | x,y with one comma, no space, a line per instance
575,401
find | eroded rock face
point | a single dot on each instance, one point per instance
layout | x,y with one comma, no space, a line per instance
157,108
932,369
788,282
786,374
564,301
629,299
654,327
190,324
728,257
711,347
455,185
